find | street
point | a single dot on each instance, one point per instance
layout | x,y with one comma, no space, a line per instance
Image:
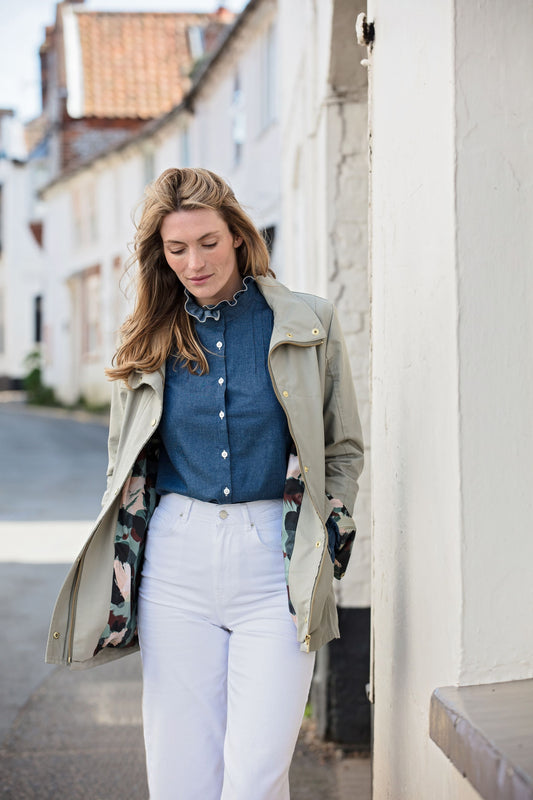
79,734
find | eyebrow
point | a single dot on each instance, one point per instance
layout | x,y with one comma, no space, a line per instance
177,241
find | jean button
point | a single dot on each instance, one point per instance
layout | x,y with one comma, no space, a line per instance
223,514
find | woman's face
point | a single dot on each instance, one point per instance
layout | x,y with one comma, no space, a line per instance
200,249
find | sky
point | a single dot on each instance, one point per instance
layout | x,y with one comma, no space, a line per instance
22,33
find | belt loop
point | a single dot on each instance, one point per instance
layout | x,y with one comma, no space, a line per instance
246,514
187,508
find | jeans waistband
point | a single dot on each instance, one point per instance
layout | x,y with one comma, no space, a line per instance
247,513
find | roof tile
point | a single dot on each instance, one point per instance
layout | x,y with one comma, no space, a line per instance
136,65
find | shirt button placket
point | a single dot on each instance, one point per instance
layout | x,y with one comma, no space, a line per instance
224,454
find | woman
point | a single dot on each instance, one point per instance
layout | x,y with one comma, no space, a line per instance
234,453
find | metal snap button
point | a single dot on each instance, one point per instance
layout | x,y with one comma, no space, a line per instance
56,634
285,393
223,514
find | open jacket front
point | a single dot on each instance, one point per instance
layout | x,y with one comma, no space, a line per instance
94,619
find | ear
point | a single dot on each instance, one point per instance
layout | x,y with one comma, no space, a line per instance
237,241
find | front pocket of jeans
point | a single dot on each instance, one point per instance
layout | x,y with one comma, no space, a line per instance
269,536
164,523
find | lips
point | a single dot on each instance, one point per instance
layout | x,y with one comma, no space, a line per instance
200,280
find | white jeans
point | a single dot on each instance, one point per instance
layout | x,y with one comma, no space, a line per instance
225,682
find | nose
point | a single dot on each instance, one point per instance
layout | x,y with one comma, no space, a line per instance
196,259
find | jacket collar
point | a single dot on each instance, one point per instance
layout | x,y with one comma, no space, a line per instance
154,379
294,320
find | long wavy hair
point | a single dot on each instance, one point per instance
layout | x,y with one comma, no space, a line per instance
159,325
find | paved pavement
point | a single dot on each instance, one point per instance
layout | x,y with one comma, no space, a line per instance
79,734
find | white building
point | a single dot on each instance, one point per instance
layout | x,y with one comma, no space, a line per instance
227,123
21,256
452,397
84,111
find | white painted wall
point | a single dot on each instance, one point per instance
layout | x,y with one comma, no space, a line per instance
325,204
452,378
494,119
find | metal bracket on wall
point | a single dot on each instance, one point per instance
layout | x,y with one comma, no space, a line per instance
364,30
365,33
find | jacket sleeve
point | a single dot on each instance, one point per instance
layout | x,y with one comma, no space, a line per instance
118,396
343,447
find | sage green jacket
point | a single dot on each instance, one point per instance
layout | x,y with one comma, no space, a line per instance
94,619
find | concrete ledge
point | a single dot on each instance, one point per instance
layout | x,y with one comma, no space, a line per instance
487,733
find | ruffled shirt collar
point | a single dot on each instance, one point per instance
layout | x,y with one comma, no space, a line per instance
202,313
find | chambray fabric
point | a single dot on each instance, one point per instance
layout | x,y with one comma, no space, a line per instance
225,437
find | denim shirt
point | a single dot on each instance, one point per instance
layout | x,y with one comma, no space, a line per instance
225,437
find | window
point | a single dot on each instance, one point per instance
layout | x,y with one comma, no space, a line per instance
268,77
269,234
238,119
84,204
2,333
92,212
117,296
38,319
196,41
77,217
148,166
90,306
185,155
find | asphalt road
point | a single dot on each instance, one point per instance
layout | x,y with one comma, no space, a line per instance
52,478
53,467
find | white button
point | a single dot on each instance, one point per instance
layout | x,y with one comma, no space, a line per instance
219,345
221,381
226,491
224,454
221,415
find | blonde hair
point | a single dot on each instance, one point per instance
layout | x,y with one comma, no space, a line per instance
159,325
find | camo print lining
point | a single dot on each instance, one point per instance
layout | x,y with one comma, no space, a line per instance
138,503
340,525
